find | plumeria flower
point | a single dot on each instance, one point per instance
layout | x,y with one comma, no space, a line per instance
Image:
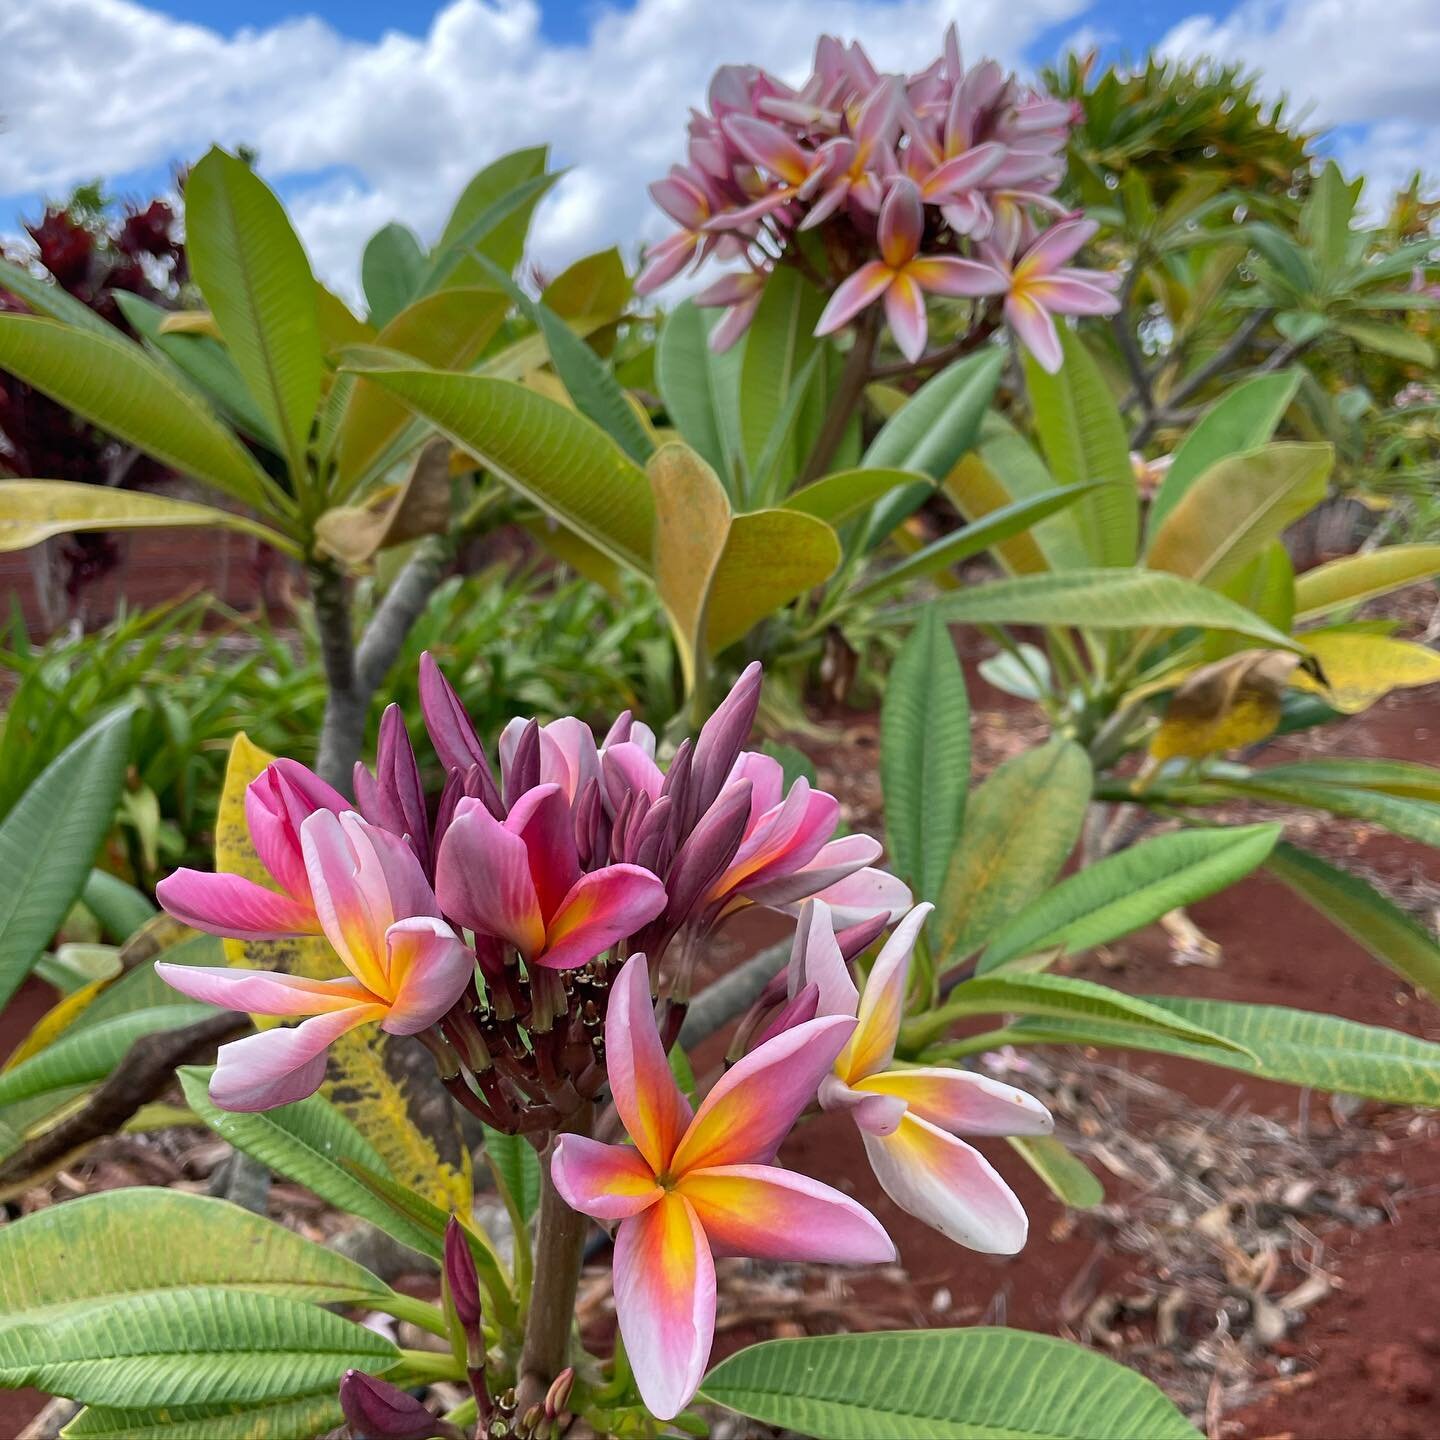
1041,284
694,1185
277,803
684,196
520,881
902,275
910,1118
407,966
740,294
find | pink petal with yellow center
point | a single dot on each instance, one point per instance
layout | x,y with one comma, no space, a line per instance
600,908
1062,296
1057,246
902,222
853,294
607,1182
541,818
833,862
261,992
905,310
767,146
429,968
879,1114
280,1066
755,1103
231,905
767,1213
482,879
882,1002
962,1102
962,172
665,1302
666,260
949,1185
943,275
1035,329
354,912
767,781
652,1109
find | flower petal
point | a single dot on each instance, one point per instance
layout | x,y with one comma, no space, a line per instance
1063,296
626,767
541,818
279,1066
949,1185
262,992
767,146
882,1002
962,1101
815,959
877,1114
665,1302
429,969
349,896
600,908
853,294
863,894
755,1103
1057,246
905,310
962,172
902,222
767,1213
568,756
835,860
652,1109
231,905
1034,327
482,878
607,1182
943,275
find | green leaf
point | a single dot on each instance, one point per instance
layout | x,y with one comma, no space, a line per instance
971,1384
45,297
685,374
115,385
35,510
298,1417
925,756
1020,825
1127,890
1363,913
1393,340
566,465
1057,997
48,842
90,1055
517,1168
1069,1180
843,495
492,215
1325,217
1415,819
993,529
778,344
181,1347
252,271
309,1142
89,1252
1102,600
391,270
120,908
1236,508
1390,777
1243,418
929,434
1299,1047
1357,578
1083,437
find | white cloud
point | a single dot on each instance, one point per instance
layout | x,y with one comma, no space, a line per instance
106,86
1369,63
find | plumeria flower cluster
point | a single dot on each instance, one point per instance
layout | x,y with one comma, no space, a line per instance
538,930
883,189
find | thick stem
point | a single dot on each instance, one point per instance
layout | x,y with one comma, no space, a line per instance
559,1247
343,732
853,379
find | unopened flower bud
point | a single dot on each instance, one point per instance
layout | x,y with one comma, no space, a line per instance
379,1410
557,1397
461,1278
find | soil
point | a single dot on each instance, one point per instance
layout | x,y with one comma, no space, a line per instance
1355,1350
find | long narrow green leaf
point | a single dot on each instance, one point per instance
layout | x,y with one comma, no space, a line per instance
1102,600
492,215
925,756
115,385
1405,778
45,297
1363,913
975,1384
48,842
302,1416
778,345
840,496
1415,819
1070,1181
1128,890
252,271
684,374
1356,578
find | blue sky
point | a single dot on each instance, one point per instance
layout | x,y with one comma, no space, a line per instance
369,110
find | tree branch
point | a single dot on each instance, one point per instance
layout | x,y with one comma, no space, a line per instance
853,380
731,995
403,605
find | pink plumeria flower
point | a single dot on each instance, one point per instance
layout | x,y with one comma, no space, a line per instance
699,1184
686,198
740,294
902,275
854,165
568,754
519,880
1040,285
407,966
910,1118
277,802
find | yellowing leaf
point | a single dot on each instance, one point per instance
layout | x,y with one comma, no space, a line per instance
1359,669
367,1078
393,515
34,510
1222,706
977,490
190,322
